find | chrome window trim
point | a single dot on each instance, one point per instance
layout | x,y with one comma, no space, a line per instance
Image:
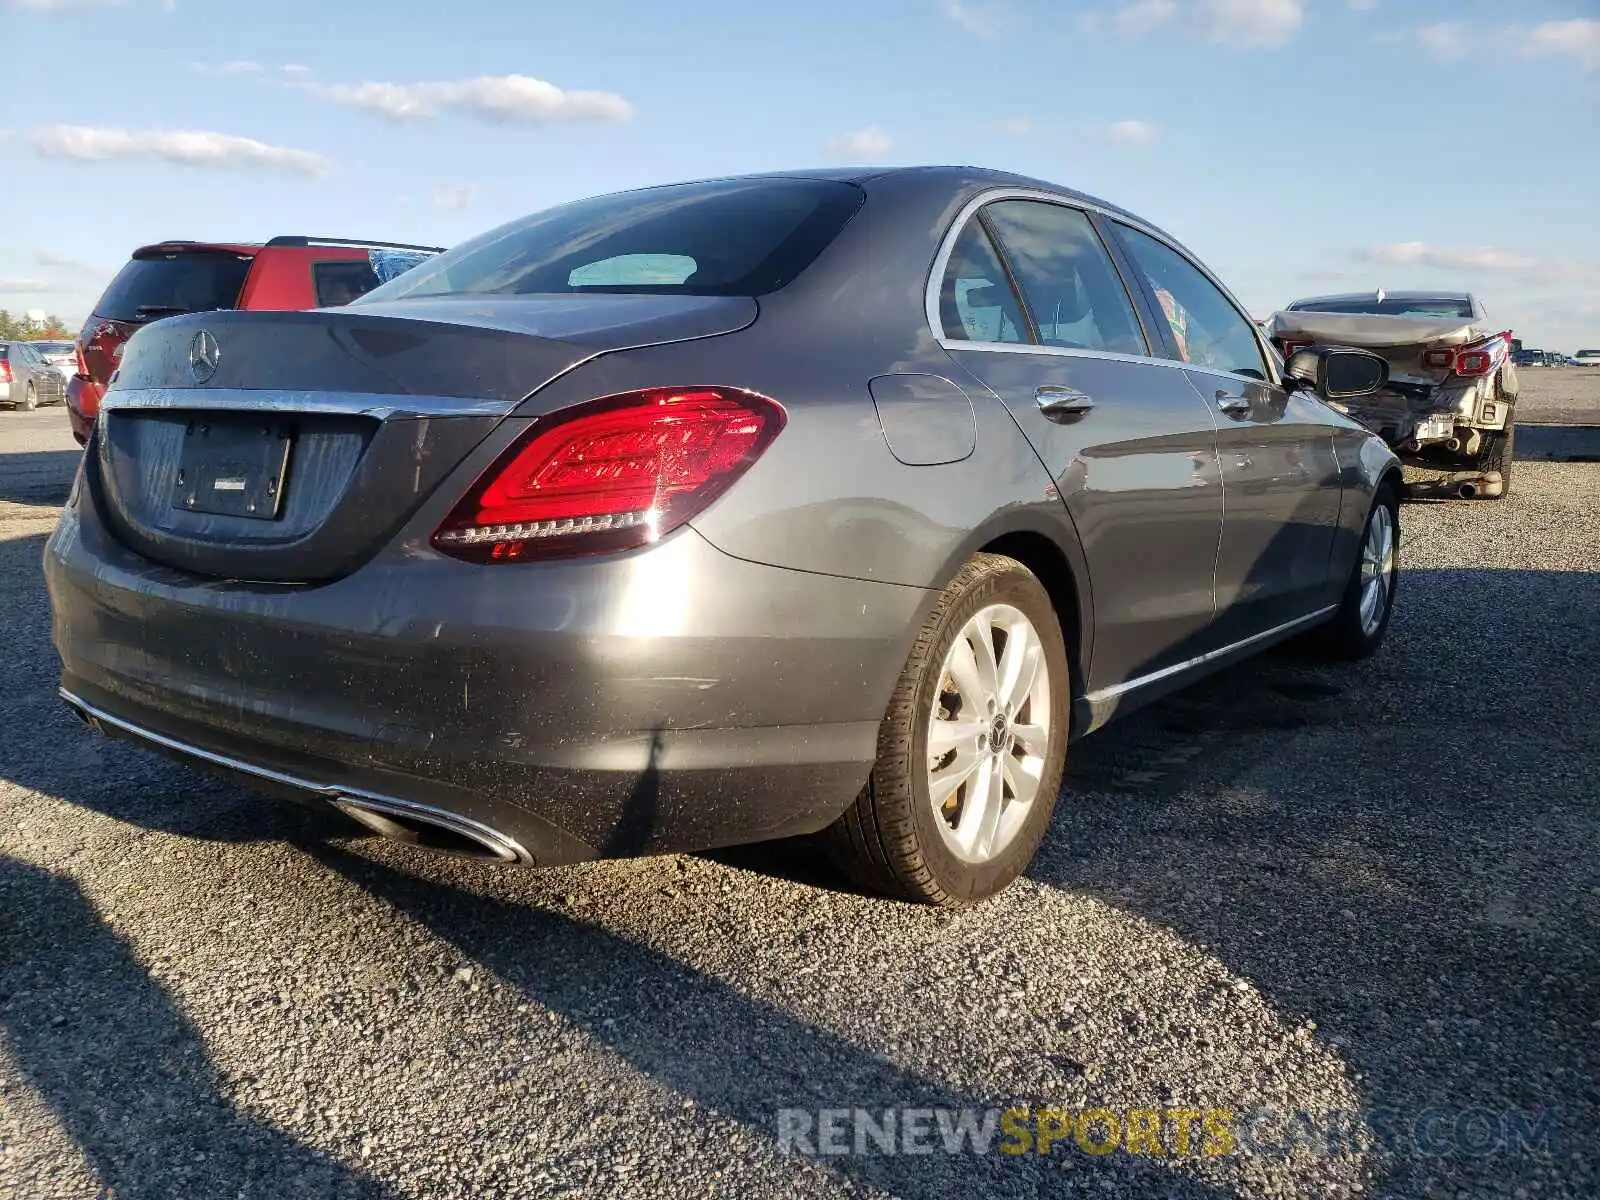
941,260
1122,689
1057,351
381,406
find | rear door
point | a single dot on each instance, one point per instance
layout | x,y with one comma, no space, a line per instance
1032,305
1281,479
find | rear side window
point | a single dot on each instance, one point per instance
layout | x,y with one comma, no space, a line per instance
1073,292
1208,329
150,288
724,238
342,281
976,303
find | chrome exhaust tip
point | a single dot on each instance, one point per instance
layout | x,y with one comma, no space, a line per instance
1467,491
432,829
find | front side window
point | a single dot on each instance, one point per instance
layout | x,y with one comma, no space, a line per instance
1208,329
1067,280
976,303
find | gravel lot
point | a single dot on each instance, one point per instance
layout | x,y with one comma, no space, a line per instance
1367,889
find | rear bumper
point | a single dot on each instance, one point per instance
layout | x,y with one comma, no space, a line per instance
667,700
83,405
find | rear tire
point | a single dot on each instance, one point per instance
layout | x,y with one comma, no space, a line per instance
1358,628
994,753
30,399
1499,452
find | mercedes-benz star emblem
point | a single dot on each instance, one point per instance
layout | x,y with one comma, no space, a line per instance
204,355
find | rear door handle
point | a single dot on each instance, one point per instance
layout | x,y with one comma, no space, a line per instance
1228,402
1059,403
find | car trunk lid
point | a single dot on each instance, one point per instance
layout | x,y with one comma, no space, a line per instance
291,446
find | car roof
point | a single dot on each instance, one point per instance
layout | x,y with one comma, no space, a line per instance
946,176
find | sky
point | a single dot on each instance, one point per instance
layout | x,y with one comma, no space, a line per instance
1296,146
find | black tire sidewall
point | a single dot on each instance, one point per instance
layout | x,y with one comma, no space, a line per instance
964,881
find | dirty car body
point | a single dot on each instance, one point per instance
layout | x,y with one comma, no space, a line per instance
1450,403
308,547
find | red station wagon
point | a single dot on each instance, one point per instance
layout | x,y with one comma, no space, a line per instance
175,277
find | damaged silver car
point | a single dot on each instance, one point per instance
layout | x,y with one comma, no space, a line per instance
1450,405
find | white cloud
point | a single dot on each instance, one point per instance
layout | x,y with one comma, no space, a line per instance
981,19
1457,258
1017,126
453,199
188,147
1132,133
1139,17
1235,22
862,146
30,287
1576,39
295,69
237,67
516,98
1447,39
60,5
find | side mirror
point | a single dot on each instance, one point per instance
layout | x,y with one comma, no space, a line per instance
1337,374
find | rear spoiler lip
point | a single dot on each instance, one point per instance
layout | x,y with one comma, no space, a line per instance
357,243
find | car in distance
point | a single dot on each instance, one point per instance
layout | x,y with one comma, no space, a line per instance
1450,403
182,277
827,502
33,373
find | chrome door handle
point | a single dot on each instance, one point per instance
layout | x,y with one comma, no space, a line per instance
1058,402
1228,402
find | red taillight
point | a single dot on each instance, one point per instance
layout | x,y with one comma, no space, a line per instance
80,366
1473,362
611,474
1290,348
1438,360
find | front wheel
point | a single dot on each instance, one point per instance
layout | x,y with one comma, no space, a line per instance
971,750
30,399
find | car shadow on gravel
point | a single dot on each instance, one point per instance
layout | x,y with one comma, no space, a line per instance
1400,850
735,1057
123,1071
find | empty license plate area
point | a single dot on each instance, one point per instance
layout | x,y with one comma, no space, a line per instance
233,466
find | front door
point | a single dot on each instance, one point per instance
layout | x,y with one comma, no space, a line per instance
1281,490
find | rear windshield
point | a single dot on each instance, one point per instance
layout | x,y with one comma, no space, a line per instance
1432,307
725,238
53,347
148,289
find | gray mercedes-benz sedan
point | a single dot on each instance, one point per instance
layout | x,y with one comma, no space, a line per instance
719,512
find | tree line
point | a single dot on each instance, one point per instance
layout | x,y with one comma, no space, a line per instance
17,328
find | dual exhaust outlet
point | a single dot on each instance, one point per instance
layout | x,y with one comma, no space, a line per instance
398,820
